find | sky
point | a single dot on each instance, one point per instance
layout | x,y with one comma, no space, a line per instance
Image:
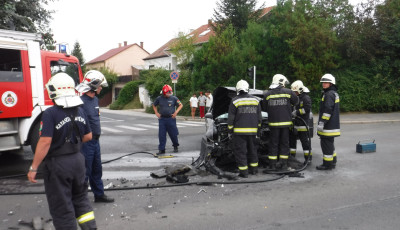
100,25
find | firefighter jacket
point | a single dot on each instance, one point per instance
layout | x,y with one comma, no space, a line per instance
303,110
329,113
278,103
244,115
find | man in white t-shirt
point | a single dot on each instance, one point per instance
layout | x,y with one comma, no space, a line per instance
193,104
209,100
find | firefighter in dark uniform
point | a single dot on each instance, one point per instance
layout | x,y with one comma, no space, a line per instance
244,119
301,110
167,118
278,103
329,121
62,130
90,87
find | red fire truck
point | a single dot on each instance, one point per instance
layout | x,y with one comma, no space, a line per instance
24,70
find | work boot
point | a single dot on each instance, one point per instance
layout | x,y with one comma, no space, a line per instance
307,161
103,199
253,170
284,165
161,152
244,173
325,167
271,168
175,149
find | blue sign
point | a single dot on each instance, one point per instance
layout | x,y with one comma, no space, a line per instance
174,75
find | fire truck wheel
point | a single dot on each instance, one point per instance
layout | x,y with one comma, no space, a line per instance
34,137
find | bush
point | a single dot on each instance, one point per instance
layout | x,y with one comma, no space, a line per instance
126,95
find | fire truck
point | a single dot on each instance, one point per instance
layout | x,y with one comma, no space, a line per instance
24,71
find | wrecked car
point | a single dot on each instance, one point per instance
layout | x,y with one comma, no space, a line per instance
216,153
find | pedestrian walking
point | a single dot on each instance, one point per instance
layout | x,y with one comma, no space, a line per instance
244,119
329,121
167,118
90,87
278,103
194,102
63,128
202,104
301,110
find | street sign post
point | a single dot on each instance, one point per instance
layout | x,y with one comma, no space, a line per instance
174,75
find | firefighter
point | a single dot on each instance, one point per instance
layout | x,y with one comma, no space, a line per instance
244,119
91,86
167,118
63,128
278,103
301,110
328,122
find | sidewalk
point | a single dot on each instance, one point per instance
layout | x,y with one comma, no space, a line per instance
345,118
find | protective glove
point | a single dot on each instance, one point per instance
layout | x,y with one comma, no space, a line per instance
294,113
320,126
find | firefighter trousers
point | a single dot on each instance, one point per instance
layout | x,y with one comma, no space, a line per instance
279,143
305,143
245,151
66,191
94,168
167,125
328,151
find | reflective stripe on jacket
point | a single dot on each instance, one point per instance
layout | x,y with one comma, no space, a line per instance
278,104
244,115
329,113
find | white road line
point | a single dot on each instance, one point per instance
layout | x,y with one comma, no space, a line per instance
148,126
130,127
111,130
195,122
189,124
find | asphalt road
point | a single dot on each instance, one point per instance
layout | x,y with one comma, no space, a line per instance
361,193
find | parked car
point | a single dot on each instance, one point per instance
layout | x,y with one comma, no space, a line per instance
216,153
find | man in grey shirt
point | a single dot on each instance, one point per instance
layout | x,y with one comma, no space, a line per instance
202,104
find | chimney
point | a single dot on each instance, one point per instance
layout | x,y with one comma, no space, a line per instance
119,45
141,45
125,43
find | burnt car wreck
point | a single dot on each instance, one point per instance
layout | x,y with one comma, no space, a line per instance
216,153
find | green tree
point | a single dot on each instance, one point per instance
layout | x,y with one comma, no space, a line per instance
77,52
183,47
25,15
236,13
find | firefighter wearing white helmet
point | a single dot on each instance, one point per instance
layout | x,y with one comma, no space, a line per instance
63,128
278,103
244,119
329,121
92,85
299,130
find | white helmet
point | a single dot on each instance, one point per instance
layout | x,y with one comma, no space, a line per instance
328,78
298,86
306,90
242,85
61,89
92,81
278,80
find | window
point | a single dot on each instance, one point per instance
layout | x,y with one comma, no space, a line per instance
151,66
69,68
204,32
10,66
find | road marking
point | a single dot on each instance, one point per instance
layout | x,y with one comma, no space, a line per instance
130,127
111,130
189,124
179,126
148,126
195,122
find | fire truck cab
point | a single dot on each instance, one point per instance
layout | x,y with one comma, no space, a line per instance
24,71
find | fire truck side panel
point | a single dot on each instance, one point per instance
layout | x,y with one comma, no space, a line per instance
16,90
36,73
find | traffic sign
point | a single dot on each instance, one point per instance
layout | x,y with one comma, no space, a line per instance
174,75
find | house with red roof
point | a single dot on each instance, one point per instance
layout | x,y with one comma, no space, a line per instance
125,60
163,58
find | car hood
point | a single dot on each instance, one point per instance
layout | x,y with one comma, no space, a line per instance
222,97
